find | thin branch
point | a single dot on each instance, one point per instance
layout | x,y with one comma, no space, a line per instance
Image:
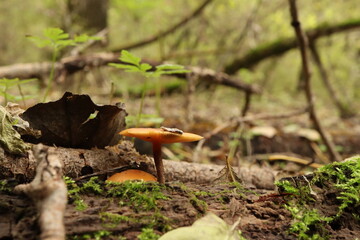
236,121
344,111
172,29
246,106
302,43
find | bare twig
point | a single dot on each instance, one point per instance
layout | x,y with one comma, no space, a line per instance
236,121
49,193
246,106
302,43
162,34
344,111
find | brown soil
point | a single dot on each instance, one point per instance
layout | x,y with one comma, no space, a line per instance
261,212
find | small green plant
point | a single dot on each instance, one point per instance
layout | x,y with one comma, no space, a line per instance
57,40
73,194
6,84
132,63
148,234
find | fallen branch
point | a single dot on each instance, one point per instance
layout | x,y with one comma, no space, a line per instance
49,193
70,65
281,46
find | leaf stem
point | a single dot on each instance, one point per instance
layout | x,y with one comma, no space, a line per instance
51,76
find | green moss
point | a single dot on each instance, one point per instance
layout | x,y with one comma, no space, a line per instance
302,192
344,177
142,196
308,223
193,197
92,186
74,194
95,235
148,234
5,187
111,220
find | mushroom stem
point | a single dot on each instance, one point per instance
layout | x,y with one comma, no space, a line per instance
158,162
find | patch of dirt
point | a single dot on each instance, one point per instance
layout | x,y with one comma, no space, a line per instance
262,213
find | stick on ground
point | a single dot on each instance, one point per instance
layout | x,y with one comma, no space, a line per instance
49,193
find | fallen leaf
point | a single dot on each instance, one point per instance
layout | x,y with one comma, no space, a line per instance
209,227
75,121
266,131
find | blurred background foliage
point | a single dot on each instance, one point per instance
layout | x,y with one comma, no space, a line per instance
225,30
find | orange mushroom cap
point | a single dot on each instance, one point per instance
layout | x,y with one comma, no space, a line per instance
131,174
161,135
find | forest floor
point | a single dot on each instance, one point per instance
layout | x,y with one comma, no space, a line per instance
131,210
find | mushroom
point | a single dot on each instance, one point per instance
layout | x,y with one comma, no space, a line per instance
131,174
158,136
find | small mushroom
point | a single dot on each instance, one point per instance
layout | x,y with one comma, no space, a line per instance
131,174
159,136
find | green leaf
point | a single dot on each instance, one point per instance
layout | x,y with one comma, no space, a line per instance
129,58
6,82
144,67
55,34
169,69
39,42
127,68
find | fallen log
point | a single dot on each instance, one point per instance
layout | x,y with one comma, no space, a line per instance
79,162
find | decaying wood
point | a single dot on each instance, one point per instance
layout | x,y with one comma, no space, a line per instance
303,44
49,193
77,162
